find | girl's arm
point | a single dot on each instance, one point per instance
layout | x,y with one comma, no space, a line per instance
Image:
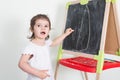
60,38
24,65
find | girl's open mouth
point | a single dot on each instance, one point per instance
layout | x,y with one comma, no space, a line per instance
43,33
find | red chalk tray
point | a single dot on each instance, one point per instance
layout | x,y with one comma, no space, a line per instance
87,64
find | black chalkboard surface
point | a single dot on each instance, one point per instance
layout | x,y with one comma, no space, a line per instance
86,21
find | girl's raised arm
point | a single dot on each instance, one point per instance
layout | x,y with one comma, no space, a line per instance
60,38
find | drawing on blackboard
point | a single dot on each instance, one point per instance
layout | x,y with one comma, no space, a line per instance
87,22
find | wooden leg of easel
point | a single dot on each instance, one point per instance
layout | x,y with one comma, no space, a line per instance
56,70
86,76
97,76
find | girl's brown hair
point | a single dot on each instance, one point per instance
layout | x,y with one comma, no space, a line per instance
33,20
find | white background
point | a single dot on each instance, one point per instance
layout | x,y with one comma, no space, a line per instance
15,16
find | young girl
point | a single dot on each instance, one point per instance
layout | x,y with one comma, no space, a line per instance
35,57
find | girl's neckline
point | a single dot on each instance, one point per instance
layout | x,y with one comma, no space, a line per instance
38,44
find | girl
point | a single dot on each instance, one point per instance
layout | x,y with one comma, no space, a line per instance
35,57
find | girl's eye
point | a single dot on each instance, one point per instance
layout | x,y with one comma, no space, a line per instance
46,26
38,25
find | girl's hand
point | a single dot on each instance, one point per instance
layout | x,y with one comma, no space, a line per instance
68,31
43,74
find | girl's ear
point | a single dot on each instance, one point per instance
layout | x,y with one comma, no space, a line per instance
31,29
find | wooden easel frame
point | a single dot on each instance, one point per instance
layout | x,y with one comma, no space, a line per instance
110,11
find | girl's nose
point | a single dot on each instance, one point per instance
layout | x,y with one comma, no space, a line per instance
42,27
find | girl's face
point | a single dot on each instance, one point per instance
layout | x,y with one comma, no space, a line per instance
41,29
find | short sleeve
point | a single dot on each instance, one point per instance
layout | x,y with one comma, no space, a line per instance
48,42
28,50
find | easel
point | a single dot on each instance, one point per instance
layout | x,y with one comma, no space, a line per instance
110,40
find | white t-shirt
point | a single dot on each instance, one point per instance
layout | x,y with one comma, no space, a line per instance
40,59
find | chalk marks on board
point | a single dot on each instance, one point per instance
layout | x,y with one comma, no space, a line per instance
87,22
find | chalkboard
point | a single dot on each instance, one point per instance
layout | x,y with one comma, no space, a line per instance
87,22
